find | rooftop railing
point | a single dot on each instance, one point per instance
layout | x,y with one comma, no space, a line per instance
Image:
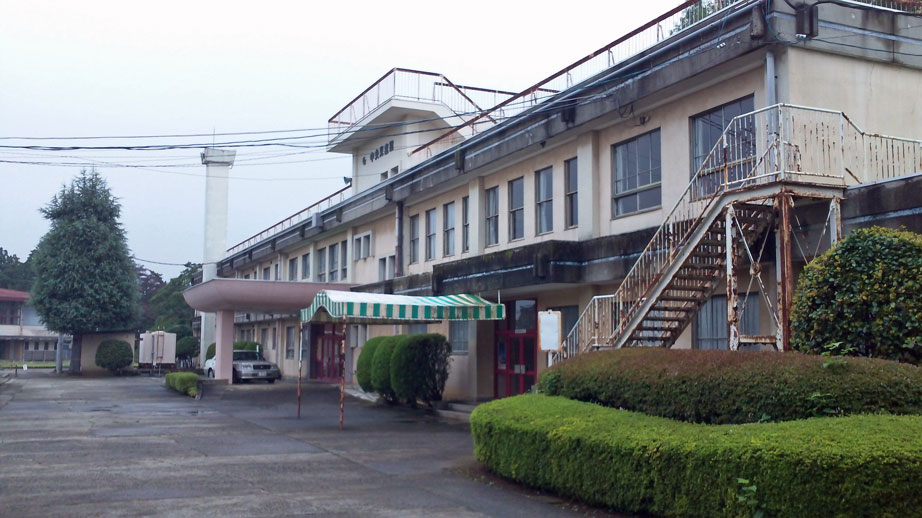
292,220
414,85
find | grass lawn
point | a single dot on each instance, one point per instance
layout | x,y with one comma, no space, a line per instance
6,364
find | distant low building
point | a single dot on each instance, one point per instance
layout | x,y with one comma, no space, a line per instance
23,337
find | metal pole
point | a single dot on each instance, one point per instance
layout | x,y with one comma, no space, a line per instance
732,291
784,269
58,359
300,358
342,379
835,222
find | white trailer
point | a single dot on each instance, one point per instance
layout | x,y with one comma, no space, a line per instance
158,349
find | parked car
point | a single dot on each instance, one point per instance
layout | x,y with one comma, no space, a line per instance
248,365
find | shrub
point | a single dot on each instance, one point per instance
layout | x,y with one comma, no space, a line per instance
863,465
419,367
114,355
364,364
381,368
187,347
722,387
183,382
242,345
865,294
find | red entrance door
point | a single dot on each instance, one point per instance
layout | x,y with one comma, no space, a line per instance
326,361
515,362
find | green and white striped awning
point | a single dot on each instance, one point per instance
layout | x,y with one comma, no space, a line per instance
373,308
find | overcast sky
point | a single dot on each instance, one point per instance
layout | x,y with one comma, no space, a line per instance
94,68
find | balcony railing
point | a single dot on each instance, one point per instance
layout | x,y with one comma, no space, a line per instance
414,85
294,219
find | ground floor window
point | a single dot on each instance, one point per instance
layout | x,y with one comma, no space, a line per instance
289,342
459,336
711,327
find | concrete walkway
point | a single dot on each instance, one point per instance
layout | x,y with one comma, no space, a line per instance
129,446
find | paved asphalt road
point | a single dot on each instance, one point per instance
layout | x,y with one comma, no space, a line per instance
73,446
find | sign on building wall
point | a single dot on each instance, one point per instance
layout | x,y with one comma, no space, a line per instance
549,330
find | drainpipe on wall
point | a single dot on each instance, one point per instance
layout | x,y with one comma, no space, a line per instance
771,86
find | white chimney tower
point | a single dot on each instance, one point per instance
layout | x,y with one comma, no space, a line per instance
217,165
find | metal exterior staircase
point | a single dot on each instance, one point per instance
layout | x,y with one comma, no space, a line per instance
774,150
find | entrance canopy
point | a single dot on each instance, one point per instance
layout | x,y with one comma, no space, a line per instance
372,308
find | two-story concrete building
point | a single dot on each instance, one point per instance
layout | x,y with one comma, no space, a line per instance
23,337
664,190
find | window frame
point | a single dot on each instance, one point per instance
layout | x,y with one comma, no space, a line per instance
306,266
361,246
491,220
465,224
638,189
448,232
454,329
547,203
516,212
289,342
414,239
293,268
321,267
344,260
333,262
571,198
431,232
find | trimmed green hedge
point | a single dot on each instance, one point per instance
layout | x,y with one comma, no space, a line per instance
364,363
723,387
242,345
381,368
419,367
865,295
113,355
863,465
183,382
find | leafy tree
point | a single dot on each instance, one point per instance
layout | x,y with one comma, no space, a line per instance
85,280
169,306
149,283
15,275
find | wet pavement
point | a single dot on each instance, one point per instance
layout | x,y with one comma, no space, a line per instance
72,446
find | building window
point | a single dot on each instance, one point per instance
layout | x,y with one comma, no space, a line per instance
289,342
305,266
266,273
322,265
382,269
247,276
357,335
293,269
361,246
516,209
418,329
465,224
448,229
636,175
395,170
544,200
278,271
707,128
414,239
384,176
334,262
458,336
711,327
344,262
571,187
9,313
492,215
430,234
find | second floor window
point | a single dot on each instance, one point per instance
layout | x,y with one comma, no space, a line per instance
430,234
305,266
636,174
570,189
740,152
322,265
448,229
491,206
544,200
344,260
266,273
414,239
334,262
293,269
516,209
465,224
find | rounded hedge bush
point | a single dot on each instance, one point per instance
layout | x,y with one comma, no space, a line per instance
113,355
863,296
419,367
381,368
722,387
863,465
363,365
187,347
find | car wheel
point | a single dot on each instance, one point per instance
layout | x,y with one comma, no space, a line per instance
211,373
236,377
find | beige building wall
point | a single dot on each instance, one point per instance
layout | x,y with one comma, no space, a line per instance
91,343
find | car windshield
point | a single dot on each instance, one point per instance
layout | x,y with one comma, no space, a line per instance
246,356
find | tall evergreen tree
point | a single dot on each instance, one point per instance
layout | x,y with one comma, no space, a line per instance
85,280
